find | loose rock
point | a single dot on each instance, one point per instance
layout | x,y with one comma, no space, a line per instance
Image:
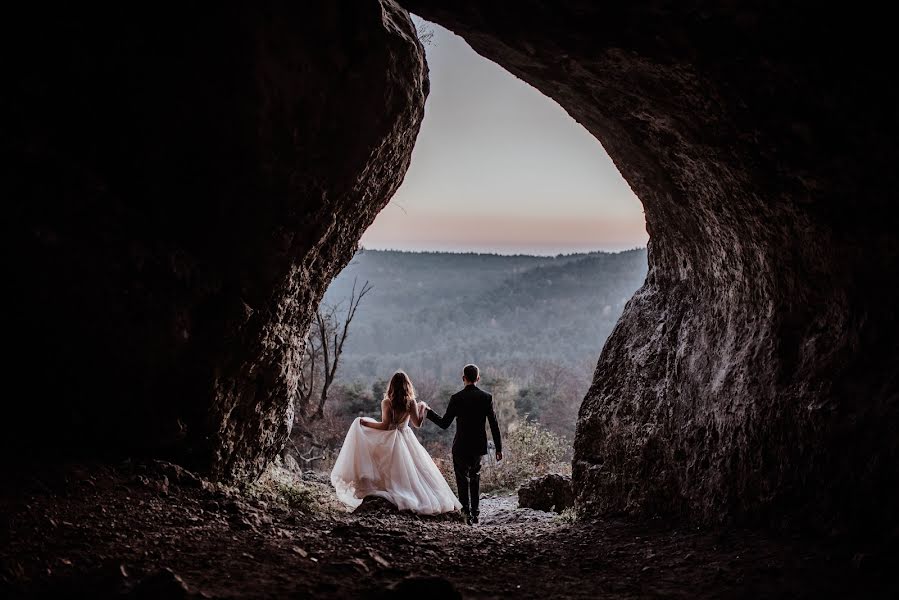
547,493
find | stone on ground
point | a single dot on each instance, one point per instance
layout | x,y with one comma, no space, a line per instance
547,493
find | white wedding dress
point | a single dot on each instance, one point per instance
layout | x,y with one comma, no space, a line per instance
391,464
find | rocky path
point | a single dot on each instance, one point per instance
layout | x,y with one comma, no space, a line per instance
160,532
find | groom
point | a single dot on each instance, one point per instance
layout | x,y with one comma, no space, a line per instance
471,406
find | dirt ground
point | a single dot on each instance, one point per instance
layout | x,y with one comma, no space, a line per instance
148,532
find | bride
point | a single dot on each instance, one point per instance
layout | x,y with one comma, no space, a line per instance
386,459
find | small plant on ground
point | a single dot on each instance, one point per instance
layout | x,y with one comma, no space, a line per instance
567,516
279,485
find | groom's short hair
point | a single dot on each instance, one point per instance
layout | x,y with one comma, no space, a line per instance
471,372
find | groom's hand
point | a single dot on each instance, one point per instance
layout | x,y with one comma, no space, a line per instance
499,456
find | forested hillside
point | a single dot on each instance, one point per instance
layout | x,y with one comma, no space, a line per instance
430,313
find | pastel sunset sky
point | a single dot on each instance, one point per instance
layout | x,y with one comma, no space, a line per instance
498,167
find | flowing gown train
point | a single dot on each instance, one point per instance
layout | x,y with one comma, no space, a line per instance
391,464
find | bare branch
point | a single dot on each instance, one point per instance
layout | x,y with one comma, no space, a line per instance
333,337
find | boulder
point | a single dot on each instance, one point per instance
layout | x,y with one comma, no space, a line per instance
547,493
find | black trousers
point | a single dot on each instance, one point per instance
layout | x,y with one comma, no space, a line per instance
468,480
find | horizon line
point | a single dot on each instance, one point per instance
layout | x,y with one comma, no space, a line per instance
363,249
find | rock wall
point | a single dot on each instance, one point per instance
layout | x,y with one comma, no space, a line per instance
183,185
754,376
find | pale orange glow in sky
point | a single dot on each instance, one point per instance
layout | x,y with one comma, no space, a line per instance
506,234
498,167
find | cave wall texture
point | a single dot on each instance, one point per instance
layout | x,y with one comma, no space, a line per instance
183,185
753,378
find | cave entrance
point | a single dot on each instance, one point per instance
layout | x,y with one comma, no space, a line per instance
513,243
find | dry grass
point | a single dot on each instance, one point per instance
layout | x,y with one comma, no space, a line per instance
279,485
530,450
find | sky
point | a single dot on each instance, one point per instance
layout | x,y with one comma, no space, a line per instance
499,167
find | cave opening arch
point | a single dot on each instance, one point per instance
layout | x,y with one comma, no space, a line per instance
498,173
174,240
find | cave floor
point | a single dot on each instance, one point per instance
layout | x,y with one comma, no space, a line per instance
106,531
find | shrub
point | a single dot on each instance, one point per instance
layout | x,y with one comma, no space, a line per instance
529,450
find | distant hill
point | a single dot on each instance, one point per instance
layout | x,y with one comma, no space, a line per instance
431,312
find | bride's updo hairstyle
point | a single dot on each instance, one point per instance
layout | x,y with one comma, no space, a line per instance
400,394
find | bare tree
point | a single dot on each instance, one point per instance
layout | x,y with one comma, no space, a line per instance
550,373
308,368
322,354
427,387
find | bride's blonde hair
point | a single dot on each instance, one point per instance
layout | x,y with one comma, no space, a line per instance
400,394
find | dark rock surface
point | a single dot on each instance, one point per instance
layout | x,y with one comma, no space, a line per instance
551,492
107,536
183,186
376,505
163,584
754,376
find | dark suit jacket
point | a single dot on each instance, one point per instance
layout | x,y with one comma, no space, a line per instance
471,407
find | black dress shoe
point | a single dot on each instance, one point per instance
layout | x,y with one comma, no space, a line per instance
466,517
473,520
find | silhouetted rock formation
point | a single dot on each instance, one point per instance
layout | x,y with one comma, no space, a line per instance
754,375
184,186
547,493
